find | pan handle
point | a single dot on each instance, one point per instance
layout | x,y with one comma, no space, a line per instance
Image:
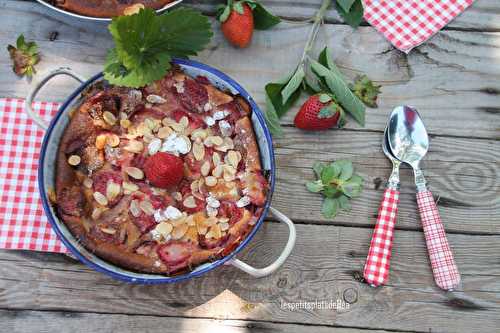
39,85
261,272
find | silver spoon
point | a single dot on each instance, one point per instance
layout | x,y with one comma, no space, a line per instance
409,143
376,271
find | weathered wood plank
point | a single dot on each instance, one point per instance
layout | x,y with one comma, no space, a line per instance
466,179
452,80
326,265
482,15
51,321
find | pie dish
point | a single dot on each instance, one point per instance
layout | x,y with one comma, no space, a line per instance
47,178
129,206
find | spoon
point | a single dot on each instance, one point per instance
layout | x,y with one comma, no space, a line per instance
409,143
376,271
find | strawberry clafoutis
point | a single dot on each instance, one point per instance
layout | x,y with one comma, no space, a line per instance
160,179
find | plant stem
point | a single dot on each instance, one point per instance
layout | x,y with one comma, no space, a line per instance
317,21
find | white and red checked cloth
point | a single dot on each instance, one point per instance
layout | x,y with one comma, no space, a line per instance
376,271
23,224
409,23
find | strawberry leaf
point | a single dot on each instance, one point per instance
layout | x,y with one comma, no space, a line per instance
223,12
353,16
366,90
345,4
238,7
344,203
145,44
24,56
318,168
272,118
263,19
292,85
326,112
273,91
325,98
330,207
315,187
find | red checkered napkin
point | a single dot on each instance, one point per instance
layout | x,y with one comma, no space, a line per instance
409,23
377,264
443,265
23,224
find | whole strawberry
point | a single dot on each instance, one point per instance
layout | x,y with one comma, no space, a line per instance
319,112
164,170
237,23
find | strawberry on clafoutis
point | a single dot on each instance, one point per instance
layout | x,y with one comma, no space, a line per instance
319,112
237,23
164,170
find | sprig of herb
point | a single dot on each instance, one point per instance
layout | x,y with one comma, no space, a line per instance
337,183
24,56
145,44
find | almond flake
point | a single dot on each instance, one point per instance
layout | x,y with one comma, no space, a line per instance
100,198
214,232
195,186
112,190
223,219
112,140
179,231
199,133
219,115
229,173
88,183
216,158
154,146
184,121
100,141
211,211
96,213
190,221
212,201
164,132
244,201
177,196
164,229
74,160
189,202
225,128
198,151
211,181
147,207
177,127
133,9
205,169
224,226
209,121
109,118
125,123
155,99
134,208
130,187
109,231
217,172
233,158
134,146
134,172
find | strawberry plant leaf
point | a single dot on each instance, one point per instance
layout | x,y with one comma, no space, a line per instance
315,187
273,91
345,4
346,170
145,44
223,12
325,98
336,167
272,118
318,168
238,7
366,90
263,19
339,88
351,189
344,203
327,175
330,207
354,16
331,191
293,84
24,56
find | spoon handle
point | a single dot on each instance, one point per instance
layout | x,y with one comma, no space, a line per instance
443,265
377,264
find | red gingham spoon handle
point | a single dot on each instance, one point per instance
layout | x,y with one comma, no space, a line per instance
443,265
377,264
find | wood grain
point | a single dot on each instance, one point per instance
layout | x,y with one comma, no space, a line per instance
326,264
453,79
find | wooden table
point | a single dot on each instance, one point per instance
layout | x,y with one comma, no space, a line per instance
453,80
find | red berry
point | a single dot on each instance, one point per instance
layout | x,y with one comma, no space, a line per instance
164,170
317,115
238,28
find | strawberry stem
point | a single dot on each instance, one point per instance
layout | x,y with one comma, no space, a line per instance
313,33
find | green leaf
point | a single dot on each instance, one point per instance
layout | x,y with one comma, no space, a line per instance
273,90
327,174
345,4
331,191
293,84
223,12
315,187
272,119
238,7
24,56
330,207
325,98
337,168
346,170
344,203
351,189
318,168
354,16
145,44
366,90
263,19
339,88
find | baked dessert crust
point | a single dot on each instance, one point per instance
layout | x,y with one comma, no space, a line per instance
203,233
107,8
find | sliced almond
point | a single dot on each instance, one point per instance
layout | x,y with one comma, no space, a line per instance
125,123
74,160
205,169
150,123
167,121
88,183
155,99
154,146
112,190
190,220
195,186
134,172
164,229
216,158
198,151
134,146
100,198
134,208
199,134
226,145
177,196
188,144
147,207
177,127
164,132
224,226
233,158
218,170
96,213
210,181
229,173
112,140
214,232
189,202
213,141
130,186
133,9
179,231
109,231
100,141
184,121
211,221
109,118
